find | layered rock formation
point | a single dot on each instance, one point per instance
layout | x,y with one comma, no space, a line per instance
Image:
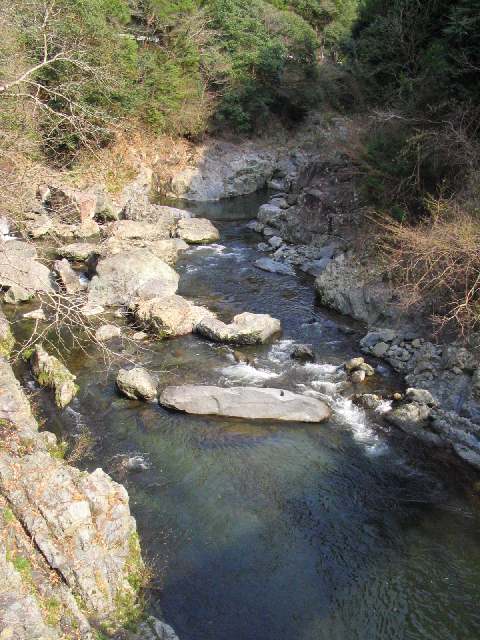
69,553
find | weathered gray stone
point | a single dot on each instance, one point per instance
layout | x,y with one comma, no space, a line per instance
107,332
19,268
268,264
141,209
197,231
223,170
421,396
245,402
358,376
245,328
79,251
124,276
409,415
355,289
380,349
16,295
354,363
68,278
275,242
154,629
315,267
138,230
40,226
81,524
137,384
7,340
303,352
169,316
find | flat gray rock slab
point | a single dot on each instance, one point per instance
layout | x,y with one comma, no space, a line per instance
252,403
268,264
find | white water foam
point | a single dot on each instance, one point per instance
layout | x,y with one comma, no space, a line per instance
246,373
213,248
355,418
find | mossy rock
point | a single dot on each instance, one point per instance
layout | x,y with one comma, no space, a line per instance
51,373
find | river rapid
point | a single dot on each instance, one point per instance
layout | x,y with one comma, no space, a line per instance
261,531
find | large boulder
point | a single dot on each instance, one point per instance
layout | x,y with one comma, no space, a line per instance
137,384
222,170
140,208
19,268
356,288
79,251
7,340
130,274
169,316
197,231
246,328
245,402
51,373
154,629
138,230
167,249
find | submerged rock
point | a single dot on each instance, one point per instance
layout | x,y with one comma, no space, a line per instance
51,373
137,384
107,332
268,264
246,328
197,231
245,402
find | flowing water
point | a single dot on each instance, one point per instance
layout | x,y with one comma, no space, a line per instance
262,531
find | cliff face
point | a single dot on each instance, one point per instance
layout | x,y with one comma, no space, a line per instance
69,553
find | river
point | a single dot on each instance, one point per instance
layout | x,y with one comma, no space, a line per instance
260,531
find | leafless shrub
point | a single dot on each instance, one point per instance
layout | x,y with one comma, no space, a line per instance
437,264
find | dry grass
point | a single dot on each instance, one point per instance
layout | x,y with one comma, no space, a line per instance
437,264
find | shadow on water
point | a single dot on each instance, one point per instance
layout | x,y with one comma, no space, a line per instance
263,531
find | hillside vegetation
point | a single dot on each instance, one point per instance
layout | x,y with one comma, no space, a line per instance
82,67
419,66
74,74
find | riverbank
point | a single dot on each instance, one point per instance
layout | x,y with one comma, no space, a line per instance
317,225
137,272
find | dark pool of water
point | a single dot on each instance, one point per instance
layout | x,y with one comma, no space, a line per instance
260,531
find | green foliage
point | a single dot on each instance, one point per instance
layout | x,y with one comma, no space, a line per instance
170,64
269,61
421,61
422,54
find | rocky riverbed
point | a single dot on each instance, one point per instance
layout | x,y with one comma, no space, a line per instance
250,348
